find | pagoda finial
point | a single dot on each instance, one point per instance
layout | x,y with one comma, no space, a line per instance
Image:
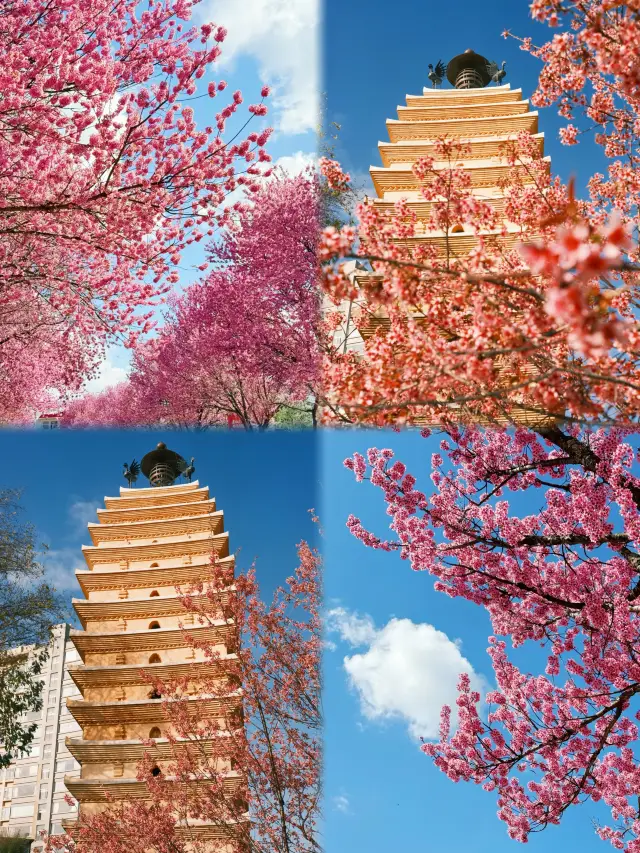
436,75
468,70
162,466
131,471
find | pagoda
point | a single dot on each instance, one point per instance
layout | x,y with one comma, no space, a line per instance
147,542
476,112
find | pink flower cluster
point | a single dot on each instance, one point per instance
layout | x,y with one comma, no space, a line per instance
335,177
576,257
243,338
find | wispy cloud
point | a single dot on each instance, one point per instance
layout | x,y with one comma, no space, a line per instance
353,629
109,374
81,513
408,671
341,803
295,164
59,568
282,36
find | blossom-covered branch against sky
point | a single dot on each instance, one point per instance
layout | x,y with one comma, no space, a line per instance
559,569
107,177
239,343
274,44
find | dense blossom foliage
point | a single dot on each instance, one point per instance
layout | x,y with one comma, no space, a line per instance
557,565
254,769
241,342
545,327
104,179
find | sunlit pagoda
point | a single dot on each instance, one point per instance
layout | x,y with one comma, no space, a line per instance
479,111
147,541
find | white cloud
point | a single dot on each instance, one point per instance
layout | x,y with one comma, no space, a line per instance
81,513
408,672
353,629
341,803
59,568
283,38
295,164
109,374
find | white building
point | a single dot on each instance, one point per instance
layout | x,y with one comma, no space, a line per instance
32,790
48,421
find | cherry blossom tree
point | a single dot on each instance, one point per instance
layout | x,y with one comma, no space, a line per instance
548,328
542,529
105,178
253,771
242,341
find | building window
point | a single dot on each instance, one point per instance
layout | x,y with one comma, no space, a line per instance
154,593
153,694
22,810
155,659
25,770
153,566
24,791
155,732
33,715
154,625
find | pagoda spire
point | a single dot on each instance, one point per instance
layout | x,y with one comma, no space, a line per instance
162,466
469,70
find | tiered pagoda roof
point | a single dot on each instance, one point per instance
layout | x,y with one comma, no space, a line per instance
147,542
484,119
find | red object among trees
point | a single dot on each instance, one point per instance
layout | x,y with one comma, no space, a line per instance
105,179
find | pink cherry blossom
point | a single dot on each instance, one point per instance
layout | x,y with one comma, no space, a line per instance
541,530
105,179
240,342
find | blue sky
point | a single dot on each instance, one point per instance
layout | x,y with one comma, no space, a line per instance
398,637
269,41
264,484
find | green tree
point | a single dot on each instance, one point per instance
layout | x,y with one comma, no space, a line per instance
14,844
28,608
295,415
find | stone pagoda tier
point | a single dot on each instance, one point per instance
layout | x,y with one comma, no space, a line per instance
481,117
147,541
